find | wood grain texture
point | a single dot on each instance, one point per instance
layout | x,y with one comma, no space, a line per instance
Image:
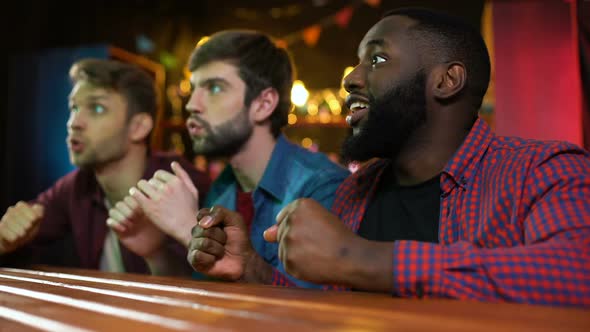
51,299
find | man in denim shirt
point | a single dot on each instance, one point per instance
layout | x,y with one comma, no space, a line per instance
238,106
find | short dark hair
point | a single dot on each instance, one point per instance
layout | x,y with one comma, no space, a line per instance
134,83
261,64
448,38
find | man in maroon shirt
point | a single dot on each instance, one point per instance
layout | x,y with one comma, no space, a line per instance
112,108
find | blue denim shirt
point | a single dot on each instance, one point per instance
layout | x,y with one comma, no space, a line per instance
292,172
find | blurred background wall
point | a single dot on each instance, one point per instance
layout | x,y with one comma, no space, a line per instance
540,52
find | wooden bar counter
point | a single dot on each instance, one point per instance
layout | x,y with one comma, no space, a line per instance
51,299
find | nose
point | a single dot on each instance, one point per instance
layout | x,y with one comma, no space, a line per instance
195,102
354,80
77,121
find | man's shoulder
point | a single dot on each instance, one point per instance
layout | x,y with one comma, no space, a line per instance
518,154
77,184
532,149
315,162
75,178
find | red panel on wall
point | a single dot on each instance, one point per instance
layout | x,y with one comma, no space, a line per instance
538,90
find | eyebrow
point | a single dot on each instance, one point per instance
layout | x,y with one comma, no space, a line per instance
212,80
91,98
373,42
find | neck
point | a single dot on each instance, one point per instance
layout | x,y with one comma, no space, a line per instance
116,177
250,163
429,150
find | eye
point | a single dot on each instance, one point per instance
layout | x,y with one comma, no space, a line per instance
376,59
97,109
74,109
214,88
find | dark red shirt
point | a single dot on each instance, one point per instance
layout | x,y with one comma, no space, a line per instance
245,206
73,230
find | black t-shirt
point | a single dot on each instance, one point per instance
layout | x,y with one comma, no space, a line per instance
402,212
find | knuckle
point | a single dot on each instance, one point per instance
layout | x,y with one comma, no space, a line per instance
216,232
202,212
196,231
130,201
304,203
22,206
197,243
197,260
160,173
174,181
216,209
168,188
204,244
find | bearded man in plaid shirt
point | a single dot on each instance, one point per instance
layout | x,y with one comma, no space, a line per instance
444,208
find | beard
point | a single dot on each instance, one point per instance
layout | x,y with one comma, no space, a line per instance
391,121
225,139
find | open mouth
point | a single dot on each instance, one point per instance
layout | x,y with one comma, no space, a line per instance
76,145
358,110
194,127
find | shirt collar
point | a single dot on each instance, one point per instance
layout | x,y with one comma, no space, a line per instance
459,169
226,177
94,189
465,161
275,179
368,175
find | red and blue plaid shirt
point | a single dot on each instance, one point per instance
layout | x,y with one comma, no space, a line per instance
514,224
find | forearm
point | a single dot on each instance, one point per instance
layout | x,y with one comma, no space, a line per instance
367,267
257,271
546,273
181,232
184,238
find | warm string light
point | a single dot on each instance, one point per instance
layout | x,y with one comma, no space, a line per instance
318,107
299,94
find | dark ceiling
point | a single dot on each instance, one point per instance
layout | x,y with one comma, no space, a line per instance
175,26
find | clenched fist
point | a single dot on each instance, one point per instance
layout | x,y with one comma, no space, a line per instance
220,246
316,246
19,225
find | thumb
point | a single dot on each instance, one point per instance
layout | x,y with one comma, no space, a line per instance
183,175
220,216
270,234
